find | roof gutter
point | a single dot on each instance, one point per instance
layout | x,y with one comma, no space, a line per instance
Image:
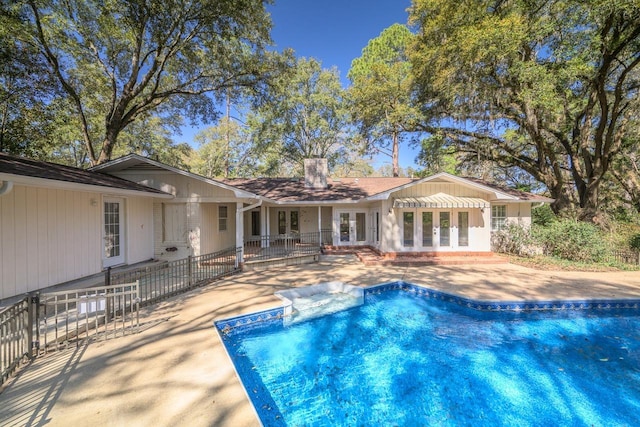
6,187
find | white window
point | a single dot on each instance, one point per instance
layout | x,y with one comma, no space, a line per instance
498,217
407,222
222,218
463,228
174,222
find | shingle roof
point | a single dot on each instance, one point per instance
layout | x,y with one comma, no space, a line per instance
34,168
522,195
292,190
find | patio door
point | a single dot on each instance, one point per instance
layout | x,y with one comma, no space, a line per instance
352,227
436,229
113,234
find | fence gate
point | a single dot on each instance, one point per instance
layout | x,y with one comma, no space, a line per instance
102,312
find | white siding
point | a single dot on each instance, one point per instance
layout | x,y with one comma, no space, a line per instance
309,219
519,213
212,240
431,188
182,187
177,225
139,225
47,237
391,239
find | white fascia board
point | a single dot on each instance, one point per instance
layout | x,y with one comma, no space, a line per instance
30,181
319,202
236,191
462,181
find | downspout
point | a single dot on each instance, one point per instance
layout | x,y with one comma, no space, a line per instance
6,187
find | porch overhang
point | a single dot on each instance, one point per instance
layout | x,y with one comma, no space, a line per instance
438,201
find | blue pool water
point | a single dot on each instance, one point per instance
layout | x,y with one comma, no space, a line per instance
405,358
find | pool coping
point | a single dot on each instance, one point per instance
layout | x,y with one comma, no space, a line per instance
480,305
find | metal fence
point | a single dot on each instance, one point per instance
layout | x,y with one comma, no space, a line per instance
167,279
99,312
46,321
16,335
273,247
627,257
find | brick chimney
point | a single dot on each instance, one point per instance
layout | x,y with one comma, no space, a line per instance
315,173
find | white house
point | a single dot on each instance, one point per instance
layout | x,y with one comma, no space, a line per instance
439,214
59,223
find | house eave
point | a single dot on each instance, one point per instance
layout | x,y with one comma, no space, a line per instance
120,164
30,181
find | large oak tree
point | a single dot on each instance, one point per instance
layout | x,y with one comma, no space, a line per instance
548,86
305,118
119,61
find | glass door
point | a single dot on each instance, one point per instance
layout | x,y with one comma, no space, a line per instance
113,235
352,227
435,229
445,229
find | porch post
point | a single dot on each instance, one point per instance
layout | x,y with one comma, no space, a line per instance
320,225
267,226
264,227
240,229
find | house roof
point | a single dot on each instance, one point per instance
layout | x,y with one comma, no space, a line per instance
293,190
20,169
520,195
135,162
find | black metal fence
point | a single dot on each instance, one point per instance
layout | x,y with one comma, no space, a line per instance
16,335
273,247
170,278
51,320
627,257
72,316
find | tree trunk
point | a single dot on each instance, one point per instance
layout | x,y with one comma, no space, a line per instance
113,130
394,154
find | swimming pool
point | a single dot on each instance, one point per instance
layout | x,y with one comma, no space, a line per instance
413,356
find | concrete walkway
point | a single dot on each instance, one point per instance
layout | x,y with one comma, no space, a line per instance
176,371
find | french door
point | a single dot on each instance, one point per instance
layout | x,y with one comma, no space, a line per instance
352,227
436,229
113,235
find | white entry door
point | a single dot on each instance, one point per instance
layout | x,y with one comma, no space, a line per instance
352,226
436,229
113,236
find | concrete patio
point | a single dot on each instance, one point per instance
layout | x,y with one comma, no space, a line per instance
176,371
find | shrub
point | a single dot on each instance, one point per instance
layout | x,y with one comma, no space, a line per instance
572,240
543,215
514,239
634,242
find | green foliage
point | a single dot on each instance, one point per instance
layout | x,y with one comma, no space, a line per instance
572,240
549,87
224,151
381,92
634,242
515,239
543,216
304,118
118,62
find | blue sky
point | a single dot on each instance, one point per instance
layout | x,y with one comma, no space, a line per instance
334,32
